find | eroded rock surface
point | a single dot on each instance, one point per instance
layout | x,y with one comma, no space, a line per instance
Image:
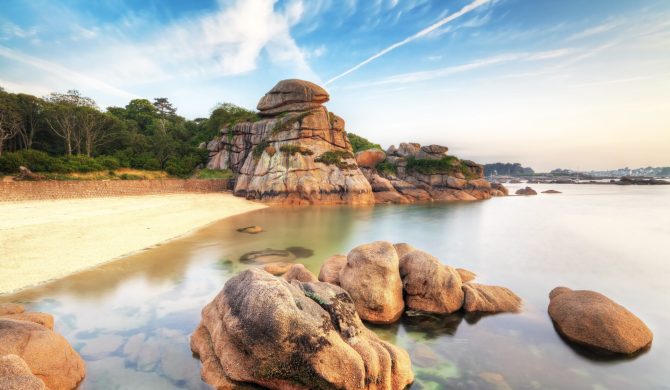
489,299
330,270
15,375
48,355
371,276
265,331
591,319
429,285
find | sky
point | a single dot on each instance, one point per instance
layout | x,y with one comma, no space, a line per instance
571,84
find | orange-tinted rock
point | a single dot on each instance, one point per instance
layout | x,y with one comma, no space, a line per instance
429,285
10,308
466,276
15,375
526,191
44,319
370,158
403,248
262,330
292,95
372,279
278,268
591,319
47,353
300,273
330,270
489,299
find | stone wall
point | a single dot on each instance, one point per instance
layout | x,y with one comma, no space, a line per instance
37,190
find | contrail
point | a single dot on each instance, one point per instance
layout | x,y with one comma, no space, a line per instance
421,33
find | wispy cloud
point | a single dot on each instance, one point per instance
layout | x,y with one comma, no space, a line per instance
425,31
595,30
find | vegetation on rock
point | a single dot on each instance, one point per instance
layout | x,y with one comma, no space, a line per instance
359,143
336,157
258,150
293,149
445,165
286,124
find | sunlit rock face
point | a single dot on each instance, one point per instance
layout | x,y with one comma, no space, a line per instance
298,153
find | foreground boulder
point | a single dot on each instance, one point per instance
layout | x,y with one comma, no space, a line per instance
591,319
262,330
489,299
429,285
372,278
15,375
47,354
295,153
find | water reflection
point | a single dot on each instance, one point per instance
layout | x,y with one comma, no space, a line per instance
131,319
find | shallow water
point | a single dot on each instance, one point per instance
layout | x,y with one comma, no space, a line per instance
131,319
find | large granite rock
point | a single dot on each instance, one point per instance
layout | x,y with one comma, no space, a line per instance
370,158
15,375
429,285
591,319
264,331
489,299
47,354
372,279
298,153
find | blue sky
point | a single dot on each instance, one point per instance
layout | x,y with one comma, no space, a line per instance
570,83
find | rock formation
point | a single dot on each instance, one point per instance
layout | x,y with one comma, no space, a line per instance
372,279
264,331
300,273
591,319
298,153
413,173
15,375
30,337
369,275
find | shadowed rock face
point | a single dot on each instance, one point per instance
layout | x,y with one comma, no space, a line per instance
265,331
372,279
591,319
50,358
298,154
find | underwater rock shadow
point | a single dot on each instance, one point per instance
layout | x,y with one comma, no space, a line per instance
435,325
270,255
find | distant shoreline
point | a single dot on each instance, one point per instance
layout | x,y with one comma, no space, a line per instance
43,240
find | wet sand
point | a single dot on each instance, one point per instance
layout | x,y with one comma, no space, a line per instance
50,239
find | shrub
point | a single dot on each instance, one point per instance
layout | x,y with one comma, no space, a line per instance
336,157
293,149
387,168
10,163
108,162
130,176
286,124
145,161
79,163
182,166
359,143
257,151
214,174
447,164
38,161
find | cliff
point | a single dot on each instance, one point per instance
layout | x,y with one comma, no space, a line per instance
299,153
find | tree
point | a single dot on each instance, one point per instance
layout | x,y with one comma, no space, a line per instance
166,112
31,109
95,128
9,124
63,117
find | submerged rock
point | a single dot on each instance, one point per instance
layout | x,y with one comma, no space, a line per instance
489,299
268,256
265,331
429,285
47,354
277,268
15,375
372,279
591,319
526,191
250,229
551,192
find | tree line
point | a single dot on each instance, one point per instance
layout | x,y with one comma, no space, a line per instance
66,132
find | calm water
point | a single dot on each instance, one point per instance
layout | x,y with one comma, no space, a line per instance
131,319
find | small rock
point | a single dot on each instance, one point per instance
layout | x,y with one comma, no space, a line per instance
370,158
330,270
278,268
551,192
526,191
268,256
489,299
250,229
591,319
300,273
429,285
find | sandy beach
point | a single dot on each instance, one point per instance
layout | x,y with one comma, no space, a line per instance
45,240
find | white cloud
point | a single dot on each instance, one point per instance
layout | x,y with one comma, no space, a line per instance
475,4
595,30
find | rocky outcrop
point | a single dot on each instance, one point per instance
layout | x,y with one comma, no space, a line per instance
526,191
15,375
489,299
415,173
591,319
372,279
261,330
48,355
429,285
370,158
298,153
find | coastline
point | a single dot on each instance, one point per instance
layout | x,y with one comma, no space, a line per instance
49,239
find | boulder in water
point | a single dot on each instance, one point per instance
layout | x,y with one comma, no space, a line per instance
330,270
429,285
489,299
526,191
